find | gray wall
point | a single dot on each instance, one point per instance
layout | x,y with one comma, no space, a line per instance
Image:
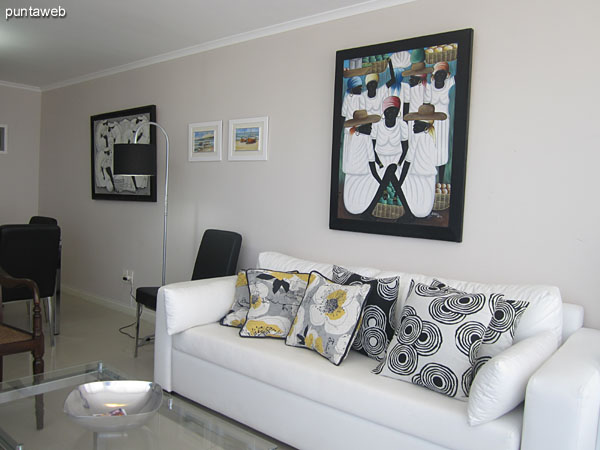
20,109
531,212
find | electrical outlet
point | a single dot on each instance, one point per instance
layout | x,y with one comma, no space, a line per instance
128,276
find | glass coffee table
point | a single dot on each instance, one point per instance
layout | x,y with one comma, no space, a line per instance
179,423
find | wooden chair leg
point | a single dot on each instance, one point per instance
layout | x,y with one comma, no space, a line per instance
1,369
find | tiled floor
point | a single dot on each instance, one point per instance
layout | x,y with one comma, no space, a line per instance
89,332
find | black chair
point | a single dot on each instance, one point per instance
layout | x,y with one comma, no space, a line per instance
31,251
217,257
44,220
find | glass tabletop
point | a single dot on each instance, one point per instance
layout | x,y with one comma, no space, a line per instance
179,423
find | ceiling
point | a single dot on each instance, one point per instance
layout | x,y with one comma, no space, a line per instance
99,37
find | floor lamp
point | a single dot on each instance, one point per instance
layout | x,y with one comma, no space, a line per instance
140,159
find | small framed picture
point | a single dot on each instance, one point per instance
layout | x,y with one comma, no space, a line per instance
3,136
205,141
248,139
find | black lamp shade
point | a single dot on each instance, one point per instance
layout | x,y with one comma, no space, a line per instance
134,159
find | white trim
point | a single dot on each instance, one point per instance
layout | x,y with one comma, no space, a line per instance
147,314
361,8
10,84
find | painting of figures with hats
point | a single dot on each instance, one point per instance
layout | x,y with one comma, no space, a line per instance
400,137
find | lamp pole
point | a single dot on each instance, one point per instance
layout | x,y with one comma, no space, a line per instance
135,139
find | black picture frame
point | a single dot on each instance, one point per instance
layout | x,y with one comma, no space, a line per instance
119,127
361,202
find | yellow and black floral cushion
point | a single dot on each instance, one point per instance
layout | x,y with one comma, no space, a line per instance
328,317
236,317
274,300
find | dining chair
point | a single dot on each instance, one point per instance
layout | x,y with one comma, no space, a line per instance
45,220
217,257
32,252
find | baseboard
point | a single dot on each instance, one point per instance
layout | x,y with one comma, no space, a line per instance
147,314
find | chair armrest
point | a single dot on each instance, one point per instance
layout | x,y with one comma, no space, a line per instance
9,281
562,402
199,302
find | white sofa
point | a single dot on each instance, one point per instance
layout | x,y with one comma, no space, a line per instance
300,398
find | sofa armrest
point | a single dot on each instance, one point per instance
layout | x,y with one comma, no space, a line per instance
199,302
562,402
162,345
180,306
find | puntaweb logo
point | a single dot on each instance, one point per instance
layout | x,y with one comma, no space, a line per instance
35,13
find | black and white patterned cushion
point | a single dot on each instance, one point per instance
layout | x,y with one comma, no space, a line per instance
376,330
500,332
436,345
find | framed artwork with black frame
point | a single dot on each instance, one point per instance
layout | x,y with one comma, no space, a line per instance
400,127
119,127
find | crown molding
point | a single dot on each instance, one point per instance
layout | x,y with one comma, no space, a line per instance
20,86
361,8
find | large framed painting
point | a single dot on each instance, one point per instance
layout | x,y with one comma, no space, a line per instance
118,127
400,137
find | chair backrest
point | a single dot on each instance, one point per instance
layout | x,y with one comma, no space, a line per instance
218,254
43,220
30,251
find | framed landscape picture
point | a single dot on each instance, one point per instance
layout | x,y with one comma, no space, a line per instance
248,139
119,127
205,141
400,137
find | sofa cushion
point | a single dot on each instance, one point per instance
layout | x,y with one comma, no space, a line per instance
274,300
350,387
543,314
376,328
280,261
327,318
236,317
436,345
500,384
499,334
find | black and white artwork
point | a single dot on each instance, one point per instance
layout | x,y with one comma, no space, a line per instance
119,127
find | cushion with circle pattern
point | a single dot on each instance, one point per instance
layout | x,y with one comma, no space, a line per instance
375,330
436,344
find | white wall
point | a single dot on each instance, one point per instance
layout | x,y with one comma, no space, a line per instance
20,109
531,213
